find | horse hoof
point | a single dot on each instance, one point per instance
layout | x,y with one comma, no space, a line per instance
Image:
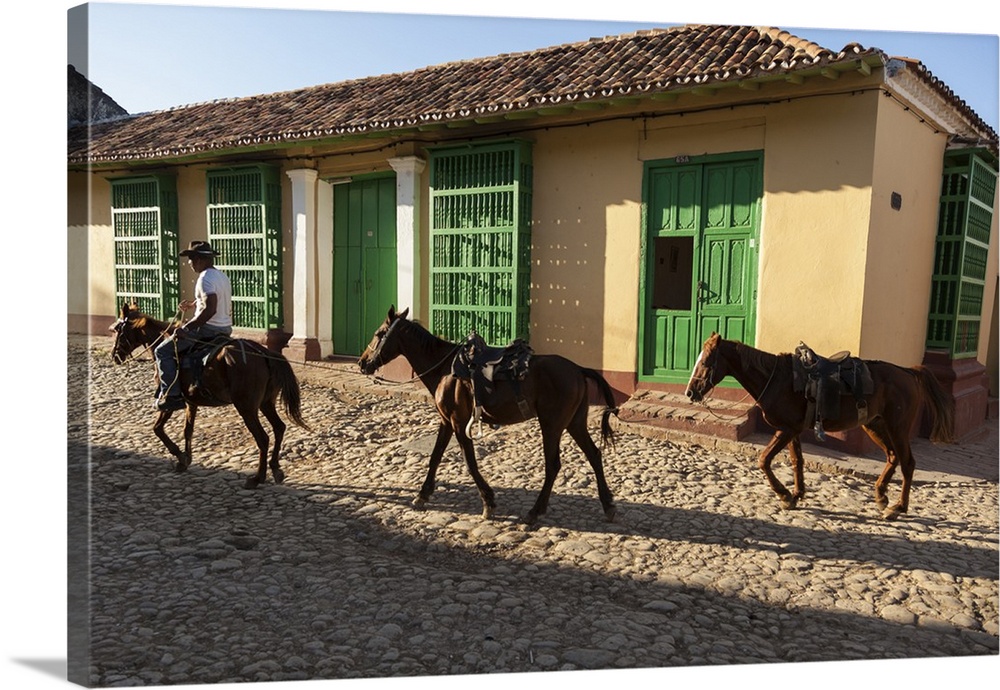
611,513
789,503
531,518
181,466
892,513
488,512
251,483
279,476
419,503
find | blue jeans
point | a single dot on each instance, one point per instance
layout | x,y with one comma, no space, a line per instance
169,352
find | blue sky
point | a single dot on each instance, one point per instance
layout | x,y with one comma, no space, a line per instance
155,56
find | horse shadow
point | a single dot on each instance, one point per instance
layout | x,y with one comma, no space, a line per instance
576,512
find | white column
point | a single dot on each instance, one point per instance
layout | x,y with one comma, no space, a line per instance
324,267
408,169
304,298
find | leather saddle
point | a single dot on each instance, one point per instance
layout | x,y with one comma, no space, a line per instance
824,380
194,361
483,366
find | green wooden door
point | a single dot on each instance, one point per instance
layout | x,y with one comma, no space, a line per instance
700,254
364,260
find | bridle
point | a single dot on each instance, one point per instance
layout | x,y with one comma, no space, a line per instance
120,328
376,356
710,377
376,352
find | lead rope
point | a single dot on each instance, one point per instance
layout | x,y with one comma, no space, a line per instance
387,382
756,402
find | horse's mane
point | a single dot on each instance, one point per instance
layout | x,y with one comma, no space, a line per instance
142,321
752,358
425,339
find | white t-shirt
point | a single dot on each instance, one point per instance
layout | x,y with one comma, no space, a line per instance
212,281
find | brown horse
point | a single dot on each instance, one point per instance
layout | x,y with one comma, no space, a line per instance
554,389
893,408
241,373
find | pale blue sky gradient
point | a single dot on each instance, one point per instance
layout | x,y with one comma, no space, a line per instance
156,56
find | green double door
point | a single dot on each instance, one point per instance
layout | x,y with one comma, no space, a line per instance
364,260
700,270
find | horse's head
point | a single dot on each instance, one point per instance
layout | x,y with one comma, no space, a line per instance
707,372
384,346
126,336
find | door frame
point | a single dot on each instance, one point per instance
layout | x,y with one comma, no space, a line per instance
644,367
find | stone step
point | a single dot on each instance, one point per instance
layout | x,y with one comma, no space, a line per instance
667,410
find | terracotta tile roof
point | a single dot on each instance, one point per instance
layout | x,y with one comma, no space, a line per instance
636,64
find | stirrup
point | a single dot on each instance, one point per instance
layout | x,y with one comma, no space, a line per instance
818,430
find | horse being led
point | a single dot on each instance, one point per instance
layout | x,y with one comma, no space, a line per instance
892,410
240,373
553,389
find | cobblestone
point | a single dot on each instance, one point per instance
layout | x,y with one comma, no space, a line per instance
334,574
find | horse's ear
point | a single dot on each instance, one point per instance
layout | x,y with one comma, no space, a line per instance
124,312
403,314
392,313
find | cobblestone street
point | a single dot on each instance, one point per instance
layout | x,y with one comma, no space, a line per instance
334,574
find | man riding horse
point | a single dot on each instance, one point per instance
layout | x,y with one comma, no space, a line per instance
212,317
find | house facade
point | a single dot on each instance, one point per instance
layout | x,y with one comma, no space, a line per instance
612,201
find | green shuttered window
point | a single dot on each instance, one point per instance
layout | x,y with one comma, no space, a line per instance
144,218
963,236
480,256
244,227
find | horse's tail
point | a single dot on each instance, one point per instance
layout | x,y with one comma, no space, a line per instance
607,433
942,406
286,381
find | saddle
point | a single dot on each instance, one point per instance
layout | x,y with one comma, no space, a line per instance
824,380
196,359
483,366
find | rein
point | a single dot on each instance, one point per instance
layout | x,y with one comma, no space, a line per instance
154,343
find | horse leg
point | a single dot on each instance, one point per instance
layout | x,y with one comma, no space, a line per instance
795,451
776,445
256,429
161,433
578,431
443,437
907,464
550,447
879,433
485,492
278,426
190,413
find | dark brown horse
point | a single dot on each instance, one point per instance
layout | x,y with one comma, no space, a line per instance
242,373
893,409
554,389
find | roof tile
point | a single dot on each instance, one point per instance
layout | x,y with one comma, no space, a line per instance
642,62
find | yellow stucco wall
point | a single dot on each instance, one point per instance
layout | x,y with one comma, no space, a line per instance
90,249
817,197
909,158
585,245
